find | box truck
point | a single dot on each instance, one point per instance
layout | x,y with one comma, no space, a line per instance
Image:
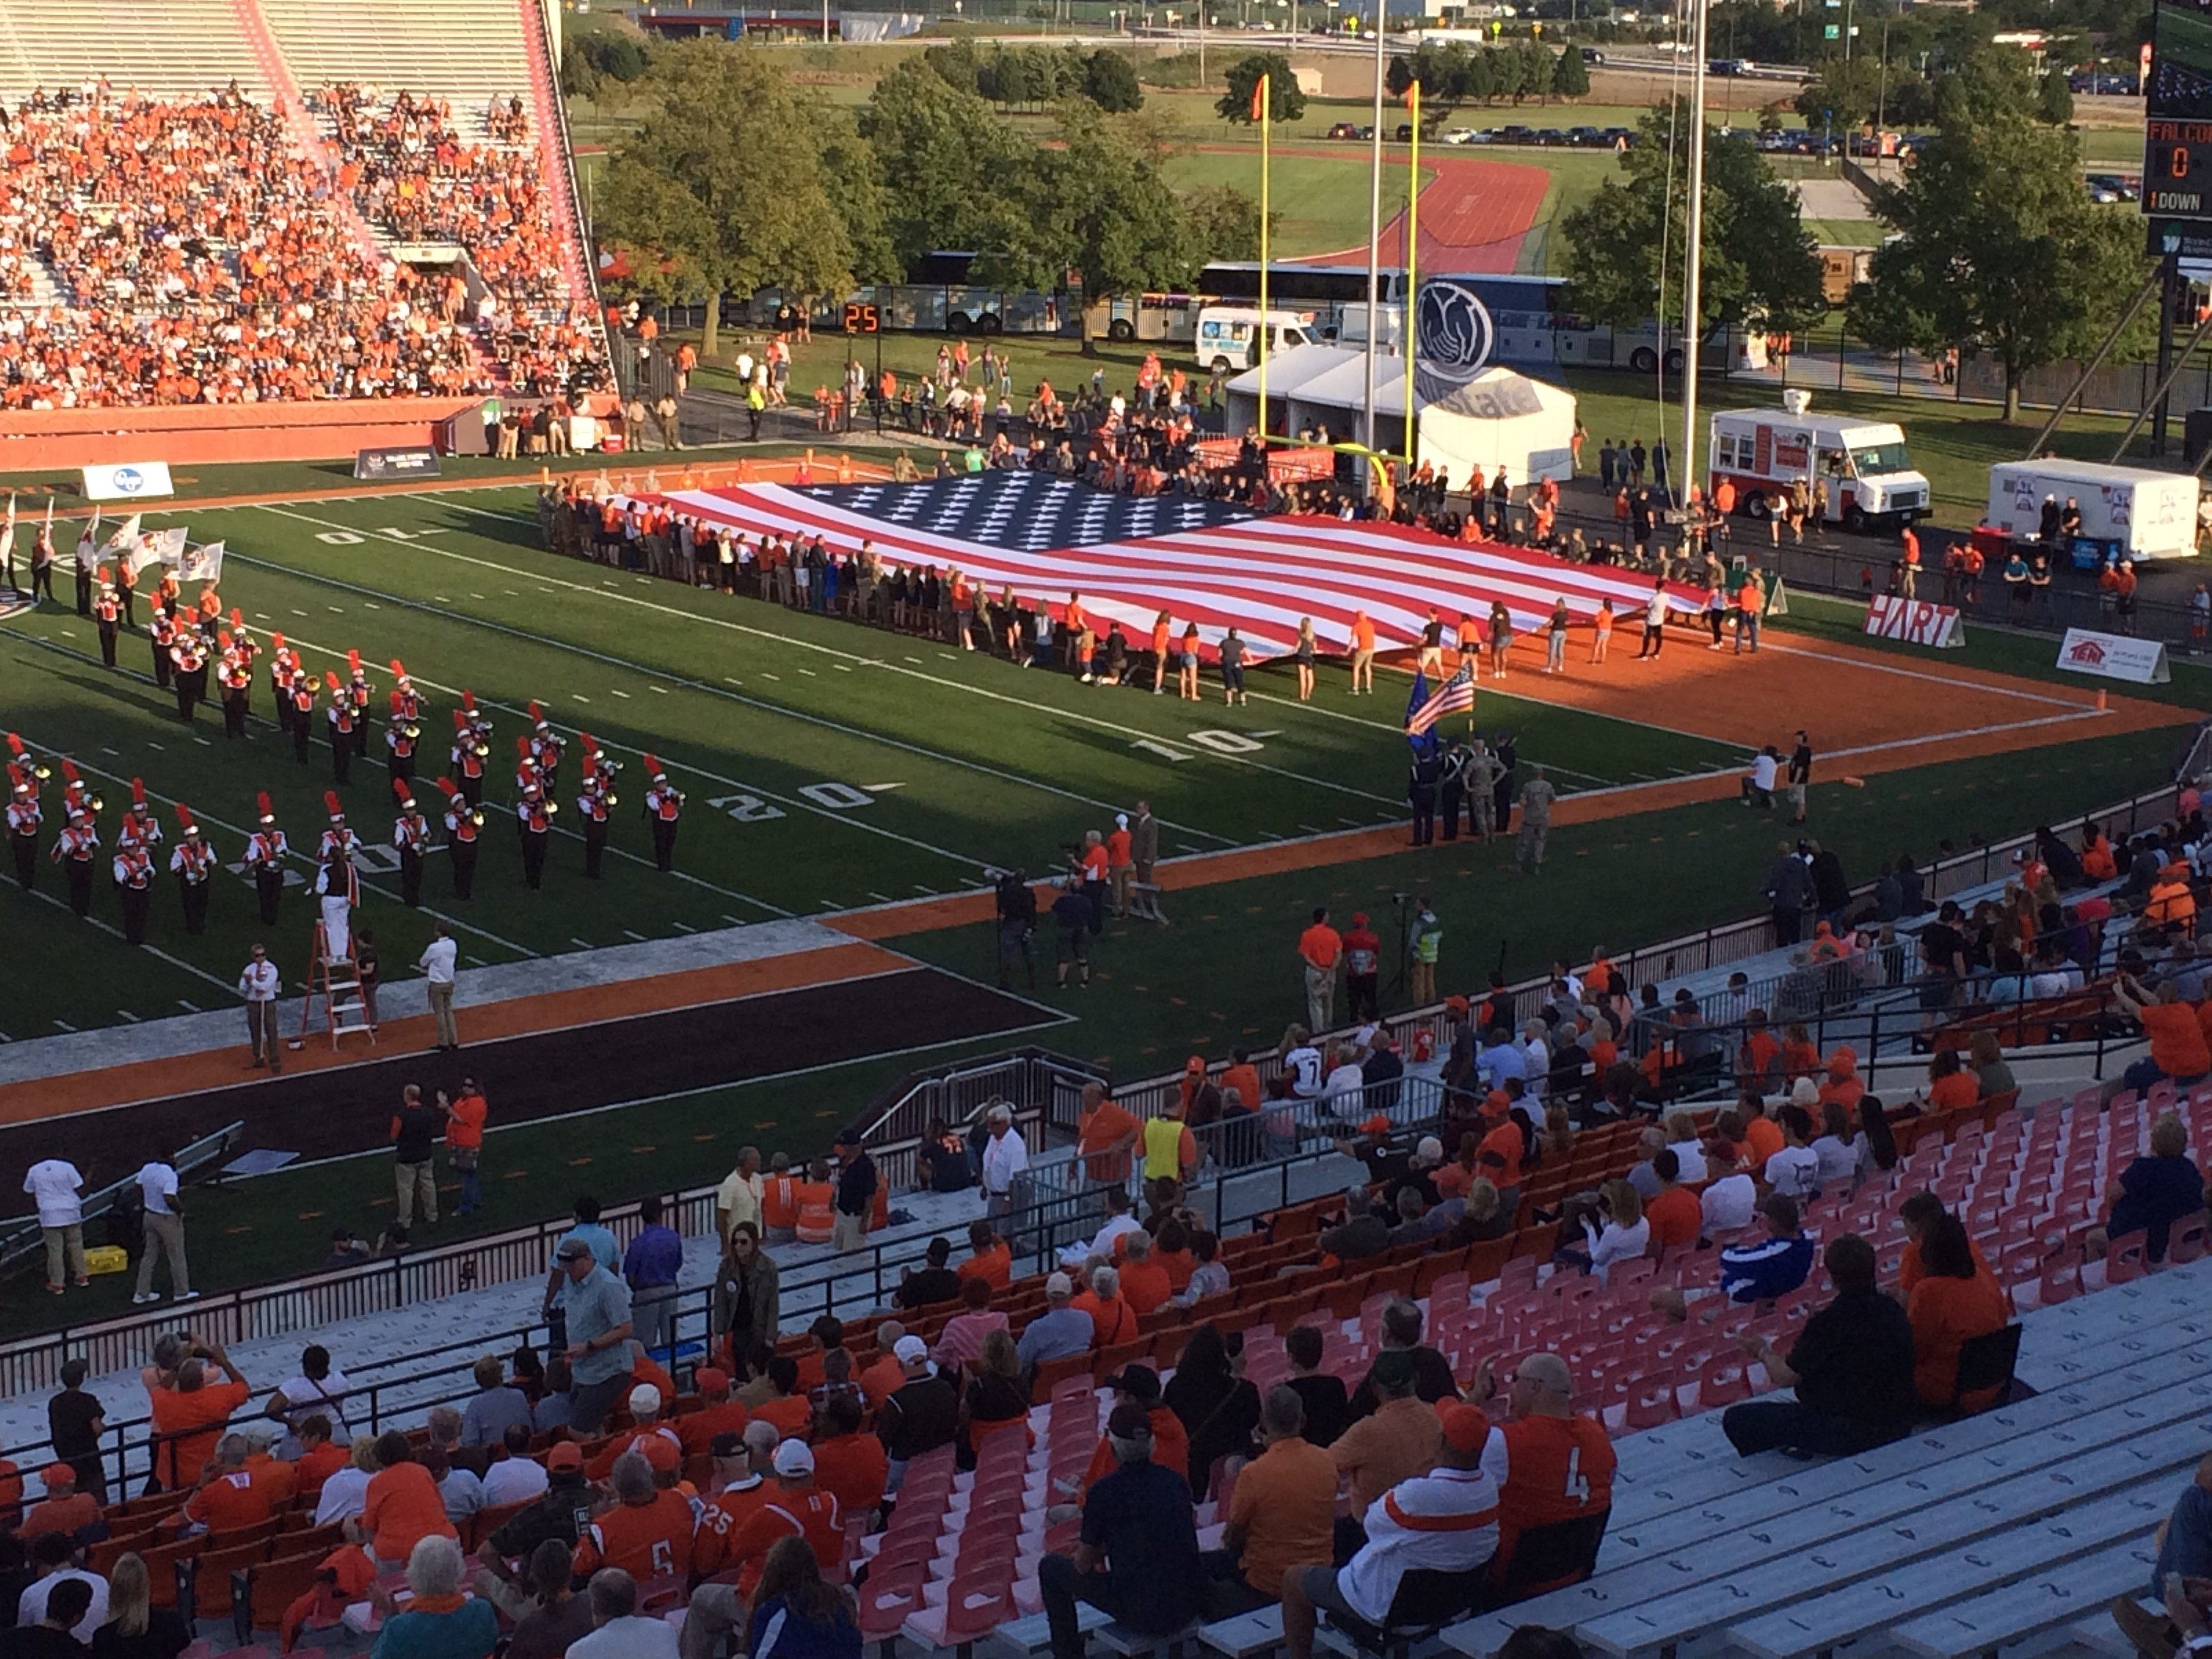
1870,477
2127,511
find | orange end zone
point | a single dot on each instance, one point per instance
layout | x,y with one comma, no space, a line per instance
554,1011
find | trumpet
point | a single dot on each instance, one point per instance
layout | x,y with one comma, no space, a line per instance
92,804
613,800
551,807
476,816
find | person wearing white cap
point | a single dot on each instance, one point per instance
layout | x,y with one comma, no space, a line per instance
922,1414
1059,1332
793,1507
1121,866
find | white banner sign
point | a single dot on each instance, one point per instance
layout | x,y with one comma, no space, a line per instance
1892,617
2114,657
127,482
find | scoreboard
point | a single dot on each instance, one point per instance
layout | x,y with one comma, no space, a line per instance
2177,177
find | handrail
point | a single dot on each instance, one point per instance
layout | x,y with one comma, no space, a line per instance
21,1235
276,1307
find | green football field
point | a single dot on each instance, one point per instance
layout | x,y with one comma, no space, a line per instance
831,767
828,767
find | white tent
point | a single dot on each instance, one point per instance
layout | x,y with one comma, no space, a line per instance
1498,418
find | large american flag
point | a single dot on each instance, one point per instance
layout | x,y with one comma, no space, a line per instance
1132,557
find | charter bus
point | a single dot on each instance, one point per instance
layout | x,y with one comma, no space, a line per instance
1529,315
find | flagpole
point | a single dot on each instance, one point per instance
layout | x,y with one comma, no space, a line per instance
1412,250
1374,241
1266,103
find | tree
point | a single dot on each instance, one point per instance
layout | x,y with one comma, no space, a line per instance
1481,77
1759,263
1535,68
1998,249
953,160
956,63
1224,223
1843,95
2054,100
731,204
1285,101
1570,76
1104,209
1111,82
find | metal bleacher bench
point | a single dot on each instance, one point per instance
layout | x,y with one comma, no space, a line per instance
1032,1632
1929,1530
1247,1636
2029,1607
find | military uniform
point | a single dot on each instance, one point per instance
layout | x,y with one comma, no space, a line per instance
410,835
1421,795
75,849
1452,787
534,819
107,617
595,802
664,806
1536,798
1481,778
24,818
134,883
192,860
463,824
265,852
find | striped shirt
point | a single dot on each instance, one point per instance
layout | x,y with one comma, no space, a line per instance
1445,1520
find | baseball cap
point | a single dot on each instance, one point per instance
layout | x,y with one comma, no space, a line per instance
794,1457
711,1381
1058,1283
659,1451
1127,1422
1142,1381
908,1349
57,1475
565,1455
644,1398
1377,1124
1359,917
1465,1427
571,1249
1393,1368
728,1443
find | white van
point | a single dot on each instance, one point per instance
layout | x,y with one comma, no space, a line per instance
1228,335
1762,451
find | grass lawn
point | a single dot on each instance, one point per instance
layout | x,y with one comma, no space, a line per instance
1848,233
1319,202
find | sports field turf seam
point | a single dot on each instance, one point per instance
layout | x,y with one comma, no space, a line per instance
856,659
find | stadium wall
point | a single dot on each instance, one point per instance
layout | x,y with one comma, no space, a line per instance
33,440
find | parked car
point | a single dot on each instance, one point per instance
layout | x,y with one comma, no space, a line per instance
1344,130
1592,55
1516,134
2113,187
1586,137
1619,137
1551,137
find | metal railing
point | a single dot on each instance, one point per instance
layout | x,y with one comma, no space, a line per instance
20,1236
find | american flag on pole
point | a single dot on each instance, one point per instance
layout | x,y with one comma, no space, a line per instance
1455,696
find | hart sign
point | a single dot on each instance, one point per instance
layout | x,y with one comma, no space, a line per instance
2114,657
127,482
1891,616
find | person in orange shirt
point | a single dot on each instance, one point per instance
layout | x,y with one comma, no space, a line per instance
1550,1463
1800,1056
1675,1216
319,1459
1145,1284
850,1465
65,1509
1470,640
1140,1386
464,1134
990,1258
779,1201
1758,1056
816,1204
1842,1084
1112,1319
1762,1135
648,1533
1243,1077
1161,630
1104,1133
786,1407
2178,1052
1958,1299
1171,1253
717,1415
230,1494
1950,1084
1120,865
1363,654
1602,639
402,1507
188,1417
1320,947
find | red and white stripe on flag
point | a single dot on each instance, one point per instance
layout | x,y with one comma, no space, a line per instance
1261,576
1455,696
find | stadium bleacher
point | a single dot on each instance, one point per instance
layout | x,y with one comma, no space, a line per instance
446,262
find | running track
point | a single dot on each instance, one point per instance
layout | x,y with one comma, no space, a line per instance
1474,213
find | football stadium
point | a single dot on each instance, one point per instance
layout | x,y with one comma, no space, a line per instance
726,934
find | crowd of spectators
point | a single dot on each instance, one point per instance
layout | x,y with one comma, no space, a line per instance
197,255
